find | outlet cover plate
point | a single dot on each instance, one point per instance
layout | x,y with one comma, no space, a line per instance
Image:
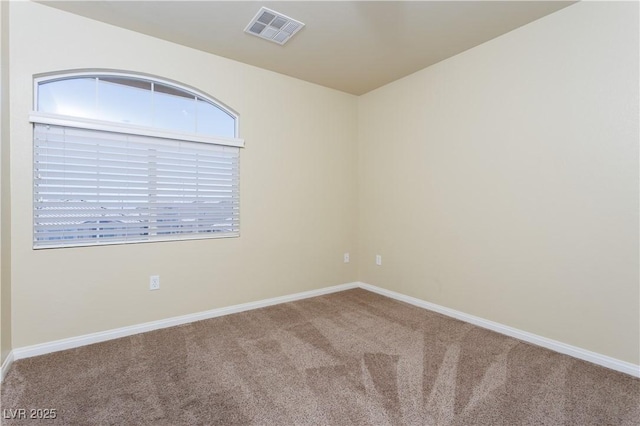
154,282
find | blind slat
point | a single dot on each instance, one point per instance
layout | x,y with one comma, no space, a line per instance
129,168
131,177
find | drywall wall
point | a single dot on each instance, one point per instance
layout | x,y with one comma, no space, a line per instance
5,199
298,190
503,182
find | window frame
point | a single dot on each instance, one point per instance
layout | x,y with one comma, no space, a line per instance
36,117
109,126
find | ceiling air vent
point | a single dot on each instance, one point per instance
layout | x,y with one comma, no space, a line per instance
273,26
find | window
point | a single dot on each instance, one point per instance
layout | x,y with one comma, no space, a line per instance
121,158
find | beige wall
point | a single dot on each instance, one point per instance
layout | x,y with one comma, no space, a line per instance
5,201
503,182
298,190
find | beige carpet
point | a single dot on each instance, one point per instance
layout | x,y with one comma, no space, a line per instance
348,358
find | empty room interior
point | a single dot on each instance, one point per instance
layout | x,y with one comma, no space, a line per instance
297,213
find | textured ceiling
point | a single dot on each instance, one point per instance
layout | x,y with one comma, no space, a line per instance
352,46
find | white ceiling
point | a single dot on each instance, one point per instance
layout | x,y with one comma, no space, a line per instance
352,46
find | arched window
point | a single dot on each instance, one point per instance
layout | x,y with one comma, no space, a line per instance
123,158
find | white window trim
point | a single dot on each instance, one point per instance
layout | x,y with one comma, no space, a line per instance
49,77
37,117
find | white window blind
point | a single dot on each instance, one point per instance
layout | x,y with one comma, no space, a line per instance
98,187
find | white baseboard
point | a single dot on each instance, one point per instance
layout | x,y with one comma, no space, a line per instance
87,339
74,342
5,366
554,345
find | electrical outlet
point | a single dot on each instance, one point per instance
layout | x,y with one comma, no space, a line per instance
378,260
154,282
346,258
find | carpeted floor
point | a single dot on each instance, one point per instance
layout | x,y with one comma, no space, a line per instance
349,358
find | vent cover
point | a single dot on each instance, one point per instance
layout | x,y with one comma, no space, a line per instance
273,26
